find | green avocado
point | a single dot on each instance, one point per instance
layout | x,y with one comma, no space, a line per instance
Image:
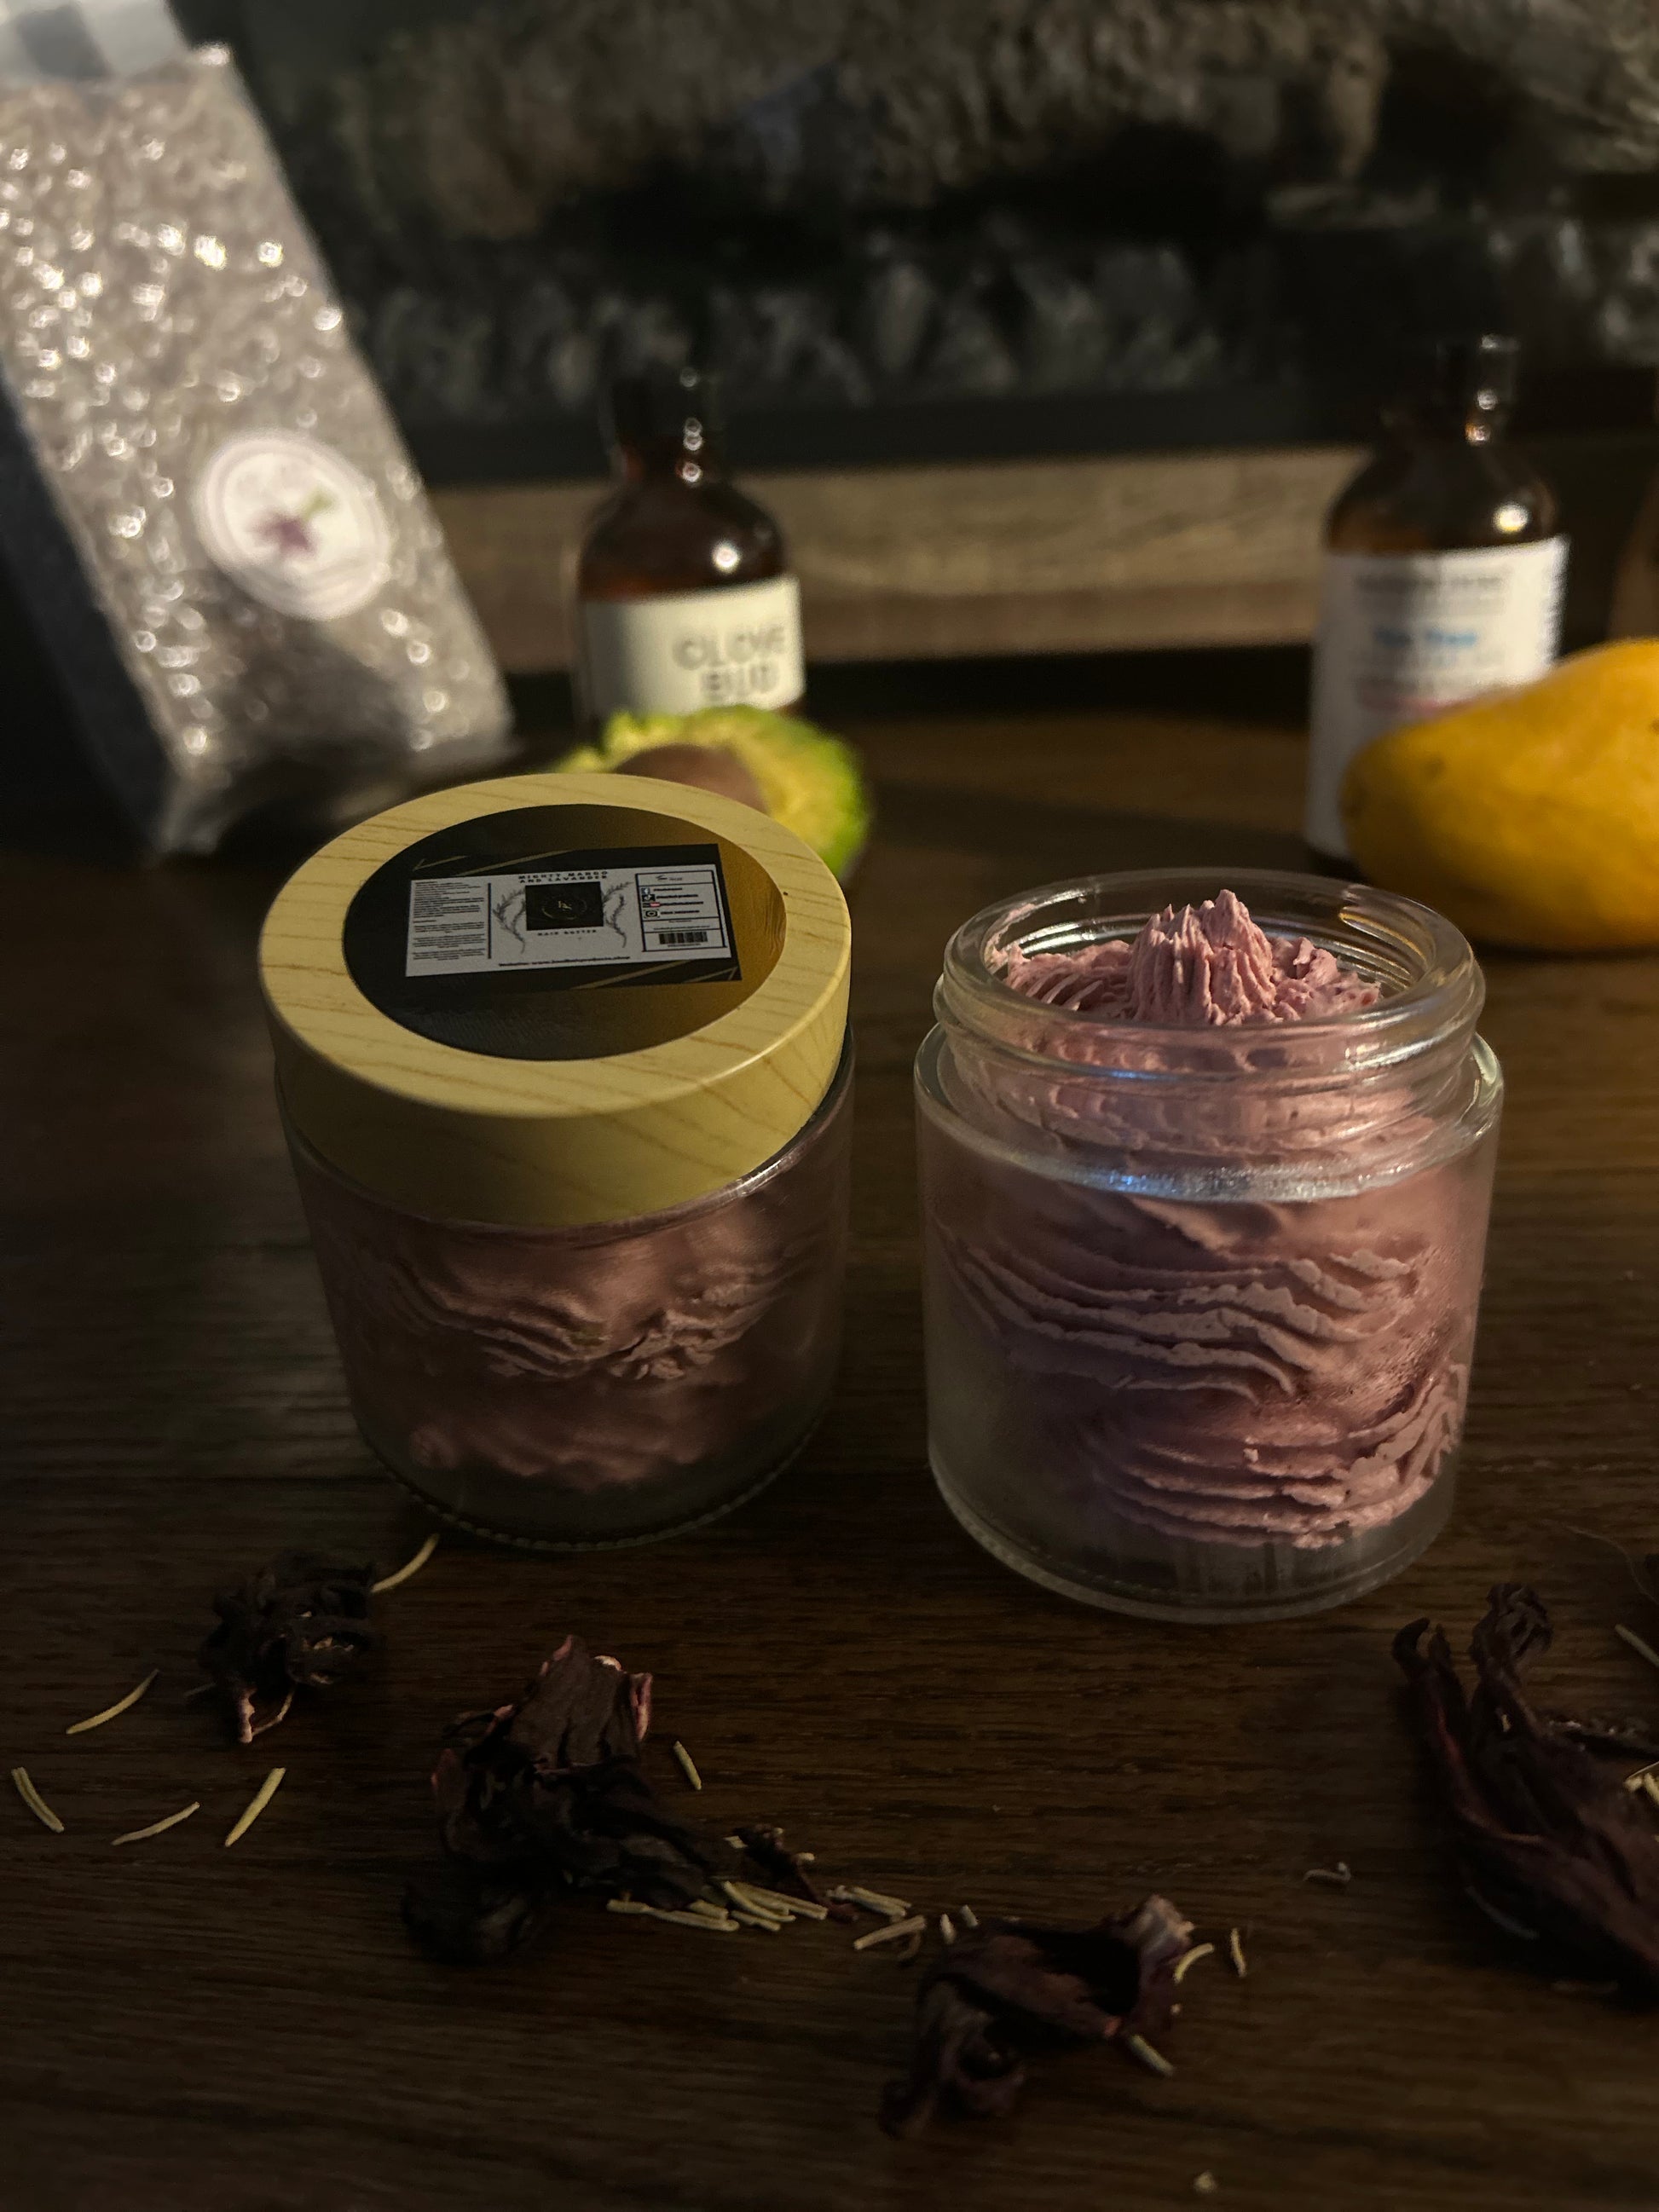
809,781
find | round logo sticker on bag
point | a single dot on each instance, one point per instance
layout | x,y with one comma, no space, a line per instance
292,522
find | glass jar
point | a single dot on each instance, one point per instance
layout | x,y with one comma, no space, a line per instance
603,1384
564,1064
1200,1301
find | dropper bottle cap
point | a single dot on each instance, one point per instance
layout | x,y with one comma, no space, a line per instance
663,410
1466,382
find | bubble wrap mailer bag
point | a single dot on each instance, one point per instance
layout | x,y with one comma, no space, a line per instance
203,503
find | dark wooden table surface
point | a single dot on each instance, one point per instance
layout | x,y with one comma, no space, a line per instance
189,2030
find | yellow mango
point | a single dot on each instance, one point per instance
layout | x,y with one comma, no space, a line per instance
1531,816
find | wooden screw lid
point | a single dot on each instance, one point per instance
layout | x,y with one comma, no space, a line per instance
548,1000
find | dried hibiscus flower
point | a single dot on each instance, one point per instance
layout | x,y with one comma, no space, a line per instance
300,1623
1553,1846
1009,1987
548,1793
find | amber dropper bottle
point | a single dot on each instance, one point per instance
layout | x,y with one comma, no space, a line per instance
685,598
1443,571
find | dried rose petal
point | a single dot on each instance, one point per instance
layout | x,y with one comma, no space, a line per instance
1551,1844
1008,1987
300,1623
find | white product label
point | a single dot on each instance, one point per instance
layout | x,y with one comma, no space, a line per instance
736,648
598,917
292,522
1404,635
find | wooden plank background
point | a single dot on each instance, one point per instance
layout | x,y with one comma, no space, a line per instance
1084,556
1015,556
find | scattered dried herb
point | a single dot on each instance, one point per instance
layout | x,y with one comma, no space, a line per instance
1144,2055
300,1623
1005,1990
1235,1953
408,1572
112,1712
36,1804
1615,1739
1551,1844
256,1805
717,1925
156,1828
774,1901
870,1900
760,1906
785,1870
894,1930
547,1793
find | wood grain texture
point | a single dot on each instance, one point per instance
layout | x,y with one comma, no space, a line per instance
1088,554
1013,557
188,2029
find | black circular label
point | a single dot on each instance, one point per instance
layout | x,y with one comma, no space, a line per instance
563,933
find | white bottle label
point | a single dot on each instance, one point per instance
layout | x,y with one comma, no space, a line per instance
739,647
1404,635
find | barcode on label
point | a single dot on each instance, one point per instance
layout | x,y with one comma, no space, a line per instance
682,936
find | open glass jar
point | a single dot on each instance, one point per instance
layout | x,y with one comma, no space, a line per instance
567,1085
1202,1301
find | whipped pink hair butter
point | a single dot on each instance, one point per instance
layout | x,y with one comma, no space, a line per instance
565,1067
1205,1171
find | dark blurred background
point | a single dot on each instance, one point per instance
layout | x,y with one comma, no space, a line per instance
1047,328
938,229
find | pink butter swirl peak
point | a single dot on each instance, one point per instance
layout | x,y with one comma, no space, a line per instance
1208,966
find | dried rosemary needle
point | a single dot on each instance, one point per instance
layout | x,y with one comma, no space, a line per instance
36,1804
266,1792
713,1922
916,1925
113,1712
1153,2061
409,1569
156,1828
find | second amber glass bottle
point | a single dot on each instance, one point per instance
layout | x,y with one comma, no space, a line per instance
1444,569
684,595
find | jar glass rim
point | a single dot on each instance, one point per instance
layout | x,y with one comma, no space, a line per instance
1434,988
